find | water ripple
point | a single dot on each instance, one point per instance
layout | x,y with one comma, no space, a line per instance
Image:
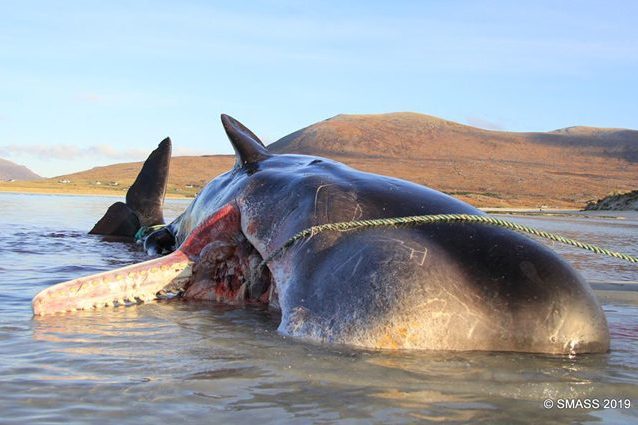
200,362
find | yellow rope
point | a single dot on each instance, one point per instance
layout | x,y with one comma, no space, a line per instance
444,218
144,231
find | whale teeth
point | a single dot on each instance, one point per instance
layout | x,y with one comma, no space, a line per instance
241,292
135,284
270,292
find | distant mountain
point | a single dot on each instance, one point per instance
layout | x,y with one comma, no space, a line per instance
411,135
566,167
12,171
561,168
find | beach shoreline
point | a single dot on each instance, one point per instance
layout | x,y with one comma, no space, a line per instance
121,194
53,191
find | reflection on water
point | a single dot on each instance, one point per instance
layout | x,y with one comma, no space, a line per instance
196,362
615,231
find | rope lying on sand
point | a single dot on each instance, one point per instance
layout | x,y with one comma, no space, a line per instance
443,218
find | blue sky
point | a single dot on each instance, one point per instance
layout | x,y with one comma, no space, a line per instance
85,83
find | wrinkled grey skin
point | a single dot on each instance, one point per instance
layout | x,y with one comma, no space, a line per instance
440,286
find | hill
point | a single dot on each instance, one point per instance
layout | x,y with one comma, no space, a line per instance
616,202
408,135
188,174
563,168
12,171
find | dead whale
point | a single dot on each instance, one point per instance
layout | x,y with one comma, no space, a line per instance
443,286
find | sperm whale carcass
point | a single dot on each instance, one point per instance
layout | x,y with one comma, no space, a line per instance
442,286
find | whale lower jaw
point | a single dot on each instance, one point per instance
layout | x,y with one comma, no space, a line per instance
216,263
137,283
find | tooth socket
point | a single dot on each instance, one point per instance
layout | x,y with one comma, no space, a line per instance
130,285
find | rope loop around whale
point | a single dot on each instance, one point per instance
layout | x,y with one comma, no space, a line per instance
145,231
443,218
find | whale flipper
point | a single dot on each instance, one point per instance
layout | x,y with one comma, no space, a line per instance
144,199
119,220
146,196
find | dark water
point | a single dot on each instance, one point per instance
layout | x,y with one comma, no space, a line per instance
198,362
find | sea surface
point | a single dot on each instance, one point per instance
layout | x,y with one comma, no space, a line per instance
181,362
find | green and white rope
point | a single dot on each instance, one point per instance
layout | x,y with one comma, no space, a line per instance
144,231
443,218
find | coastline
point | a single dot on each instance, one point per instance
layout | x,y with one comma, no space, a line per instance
54,191
21,190
527,210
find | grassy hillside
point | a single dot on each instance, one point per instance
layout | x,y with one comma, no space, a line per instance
188,174
563,168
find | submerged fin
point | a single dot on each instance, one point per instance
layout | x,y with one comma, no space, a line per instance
119,220
144,199
146,196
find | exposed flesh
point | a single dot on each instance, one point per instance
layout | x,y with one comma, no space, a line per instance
216,262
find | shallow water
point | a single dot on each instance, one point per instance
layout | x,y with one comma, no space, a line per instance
196,362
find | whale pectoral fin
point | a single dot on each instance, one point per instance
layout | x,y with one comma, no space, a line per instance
248,148
144,199
119,220
146,196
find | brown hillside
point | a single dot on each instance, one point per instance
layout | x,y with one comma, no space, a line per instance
563,168
188,174
12,171
402,135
